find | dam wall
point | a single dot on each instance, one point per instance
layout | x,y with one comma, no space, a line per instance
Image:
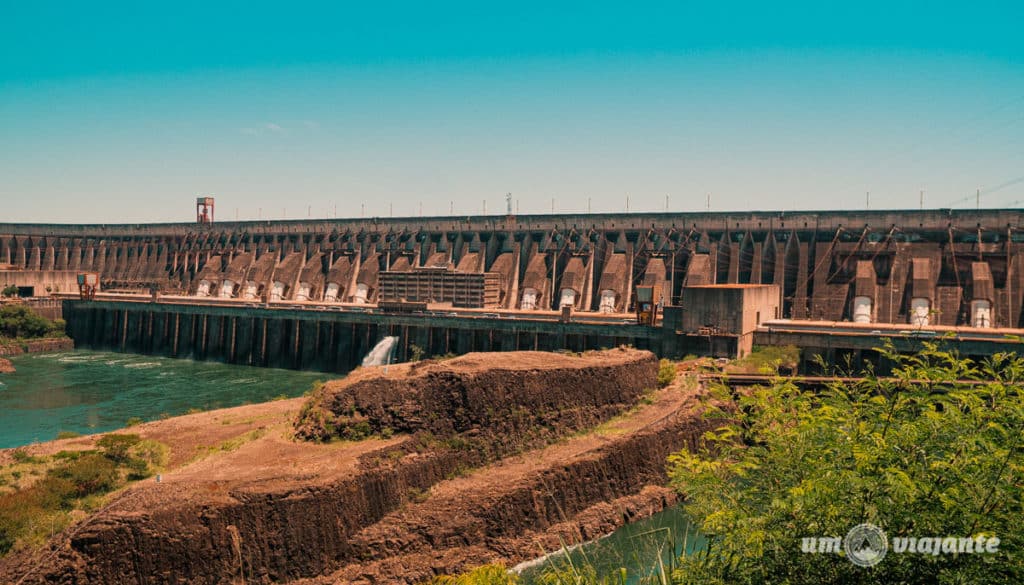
937,267
324,341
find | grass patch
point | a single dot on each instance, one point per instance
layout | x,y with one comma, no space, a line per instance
767,359
72,482
666,373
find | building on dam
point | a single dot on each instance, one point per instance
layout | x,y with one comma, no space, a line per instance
934,267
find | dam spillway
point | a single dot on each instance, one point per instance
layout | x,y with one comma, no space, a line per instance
943,267
324,341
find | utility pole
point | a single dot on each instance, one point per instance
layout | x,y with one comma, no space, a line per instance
977,199
362,210
552,205
451,208
709,202
666,202
867,200
508,203
588,204
627,203
421,209
922,199
391,209
485,207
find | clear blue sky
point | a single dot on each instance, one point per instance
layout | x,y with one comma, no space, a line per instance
116,112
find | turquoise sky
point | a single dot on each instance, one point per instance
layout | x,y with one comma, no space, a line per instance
113,112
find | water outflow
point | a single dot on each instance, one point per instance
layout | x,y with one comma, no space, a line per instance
381,354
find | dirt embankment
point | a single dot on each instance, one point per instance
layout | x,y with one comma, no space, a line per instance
6,367
37,346
514,397
261,507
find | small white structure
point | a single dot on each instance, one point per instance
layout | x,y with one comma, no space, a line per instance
529,302
362,293
277,291
607,301
568,298
303,293
861,309
920,311
981,313
227,289
204,288
250,291
331,294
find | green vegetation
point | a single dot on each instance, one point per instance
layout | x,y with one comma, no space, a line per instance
10,290
21,322
935,450
666,373
70,481
767,359
415,353
485,575
68,435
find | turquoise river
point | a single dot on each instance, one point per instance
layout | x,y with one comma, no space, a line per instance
93,391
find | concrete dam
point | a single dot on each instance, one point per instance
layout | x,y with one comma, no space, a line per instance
954,268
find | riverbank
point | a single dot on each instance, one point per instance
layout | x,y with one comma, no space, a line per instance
242,498
9,347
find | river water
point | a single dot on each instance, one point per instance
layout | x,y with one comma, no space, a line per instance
92,391
635,547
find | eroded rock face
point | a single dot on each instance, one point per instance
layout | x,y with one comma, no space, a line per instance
6,367
517,397
400,510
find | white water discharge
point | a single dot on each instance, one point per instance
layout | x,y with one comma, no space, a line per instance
381,354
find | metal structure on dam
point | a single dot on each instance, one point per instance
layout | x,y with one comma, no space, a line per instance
937,267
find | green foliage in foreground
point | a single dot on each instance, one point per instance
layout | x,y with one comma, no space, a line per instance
666,373
767,358
21,322
923,454
73,480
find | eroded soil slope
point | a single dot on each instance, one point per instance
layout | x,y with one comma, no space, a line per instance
486,457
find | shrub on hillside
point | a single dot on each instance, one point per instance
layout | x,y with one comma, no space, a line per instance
932,451
666,373
19,321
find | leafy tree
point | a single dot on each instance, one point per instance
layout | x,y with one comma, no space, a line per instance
21,321
934,450
10,291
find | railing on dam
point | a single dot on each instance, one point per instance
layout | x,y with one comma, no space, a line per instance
321,340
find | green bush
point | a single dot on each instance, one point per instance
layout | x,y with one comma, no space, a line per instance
68,435
666,373
768,359
934,450
116,446
87,475
19,321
